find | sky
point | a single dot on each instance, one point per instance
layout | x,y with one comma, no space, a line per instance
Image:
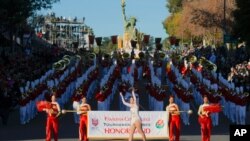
105,16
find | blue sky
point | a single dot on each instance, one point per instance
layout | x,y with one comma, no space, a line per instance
105,16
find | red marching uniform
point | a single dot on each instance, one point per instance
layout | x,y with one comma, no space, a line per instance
83,122
205,122
52,122
174,123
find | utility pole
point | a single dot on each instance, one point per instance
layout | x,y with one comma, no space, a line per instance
224,21
225,36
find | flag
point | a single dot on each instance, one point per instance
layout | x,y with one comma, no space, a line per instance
213,108
40,105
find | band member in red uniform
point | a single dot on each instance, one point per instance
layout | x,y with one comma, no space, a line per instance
205,120
174,120
82,111
52,119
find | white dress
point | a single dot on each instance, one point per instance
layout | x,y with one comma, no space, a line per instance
134,110
134,114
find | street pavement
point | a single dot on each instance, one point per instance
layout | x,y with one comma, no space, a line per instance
68,130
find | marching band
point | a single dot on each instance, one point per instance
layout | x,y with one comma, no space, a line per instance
188,82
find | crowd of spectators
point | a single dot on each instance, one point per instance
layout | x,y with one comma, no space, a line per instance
233,63
21,65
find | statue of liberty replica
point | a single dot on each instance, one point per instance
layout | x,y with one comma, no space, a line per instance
130,31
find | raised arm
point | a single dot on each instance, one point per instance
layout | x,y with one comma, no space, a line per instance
133,94
123,101
123,10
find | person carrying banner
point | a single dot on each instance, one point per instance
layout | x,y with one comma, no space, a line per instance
82,111
53,111
174,120
205,120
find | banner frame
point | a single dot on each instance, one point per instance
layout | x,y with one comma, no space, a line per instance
122,138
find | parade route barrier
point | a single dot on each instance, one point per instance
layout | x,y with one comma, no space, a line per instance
116,125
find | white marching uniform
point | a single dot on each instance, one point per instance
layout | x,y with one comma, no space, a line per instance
76,105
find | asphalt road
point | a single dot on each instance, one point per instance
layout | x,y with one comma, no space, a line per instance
68,130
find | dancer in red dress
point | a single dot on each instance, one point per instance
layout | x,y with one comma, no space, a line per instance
52,119
205,120
174,120
82,111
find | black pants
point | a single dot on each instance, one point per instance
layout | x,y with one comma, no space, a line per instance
4,115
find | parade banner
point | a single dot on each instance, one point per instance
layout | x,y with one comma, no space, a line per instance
116,124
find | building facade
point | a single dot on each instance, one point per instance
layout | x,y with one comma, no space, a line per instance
65,32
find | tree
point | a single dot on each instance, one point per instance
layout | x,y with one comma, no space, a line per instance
14,13
172,24
106,41
107,45
36,21
242,16
202,19
174,6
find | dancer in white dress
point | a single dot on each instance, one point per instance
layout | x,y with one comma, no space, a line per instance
135,118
